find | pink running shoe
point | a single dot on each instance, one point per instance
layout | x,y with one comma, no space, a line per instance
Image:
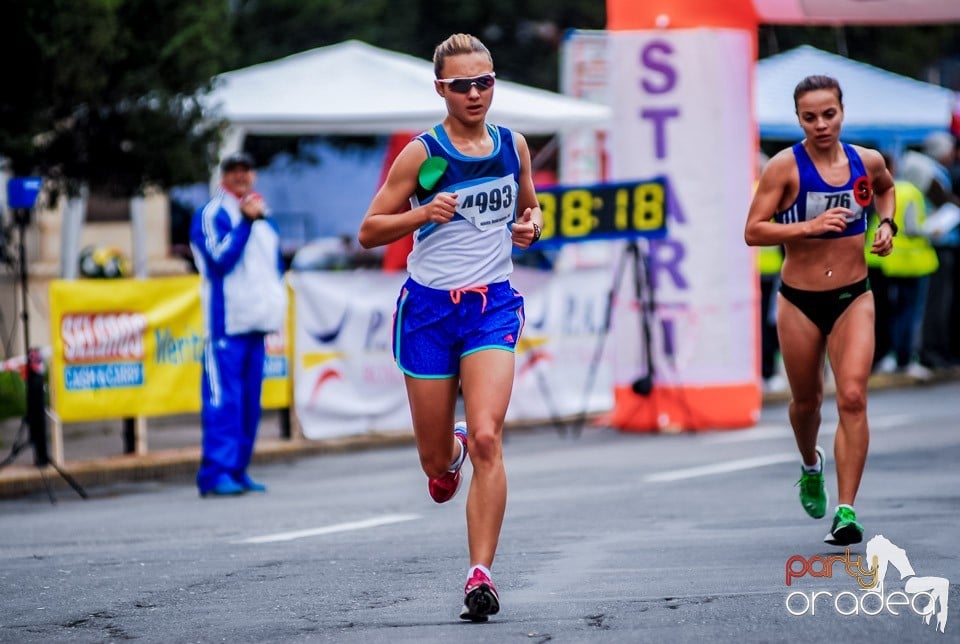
444,488
480,598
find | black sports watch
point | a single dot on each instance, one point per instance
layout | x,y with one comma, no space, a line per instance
537,232
893,225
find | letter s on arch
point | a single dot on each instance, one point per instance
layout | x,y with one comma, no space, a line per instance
649,59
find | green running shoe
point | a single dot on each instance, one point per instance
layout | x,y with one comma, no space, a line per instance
813,494
845,530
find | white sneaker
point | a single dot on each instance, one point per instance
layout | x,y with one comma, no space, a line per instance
887,365
775,383
918,371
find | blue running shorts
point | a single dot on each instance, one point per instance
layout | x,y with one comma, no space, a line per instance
433,329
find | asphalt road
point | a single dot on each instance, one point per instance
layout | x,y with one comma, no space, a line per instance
609,537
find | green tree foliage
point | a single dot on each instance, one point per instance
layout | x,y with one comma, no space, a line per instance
906,50
106,92
523,35
268,29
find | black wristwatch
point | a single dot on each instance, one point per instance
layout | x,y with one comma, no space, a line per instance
893,225
537,231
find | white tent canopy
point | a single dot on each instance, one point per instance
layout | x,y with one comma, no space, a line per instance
355,88
879,106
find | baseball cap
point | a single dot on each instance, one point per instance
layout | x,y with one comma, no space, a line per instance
237,158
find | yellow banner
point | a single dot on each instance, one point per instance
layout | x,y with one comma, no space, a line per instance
129,347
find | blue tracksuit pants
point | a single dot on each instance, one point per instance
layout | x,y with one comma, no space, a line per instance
232,381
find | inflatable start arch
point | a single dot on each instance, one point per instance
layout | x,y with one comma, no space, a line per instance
680,82
681,90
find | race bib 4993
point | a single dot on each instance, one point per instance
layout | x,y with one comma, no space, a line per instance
488,204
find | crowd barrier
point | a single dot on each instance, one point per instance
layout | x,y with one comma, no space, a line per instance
132,349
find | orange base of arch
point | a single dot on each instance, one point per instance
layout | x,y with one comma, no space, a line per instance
623,15
687,408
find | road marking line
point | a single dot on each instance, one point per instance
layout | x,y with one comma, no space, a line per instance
330,529
758,433
827,428
721,468
888,422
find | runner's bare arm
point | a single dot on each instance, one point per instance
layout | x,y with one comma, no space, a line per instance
386,219
884,200
779,178
530,218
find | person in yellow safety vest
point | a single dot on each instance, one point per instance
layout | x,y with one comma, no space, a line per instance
906,270
770,259
881,296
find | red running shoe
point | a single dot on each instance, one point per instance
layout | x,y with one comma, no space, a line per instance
480,598
444,488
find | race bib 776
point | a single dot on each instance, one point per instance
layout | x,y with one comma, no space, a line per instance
820,202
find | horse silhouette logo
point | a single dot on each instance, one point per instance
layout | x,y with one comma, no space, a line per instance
883,553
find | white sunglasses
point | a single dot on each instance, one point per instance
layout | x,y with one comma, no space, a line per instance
463,85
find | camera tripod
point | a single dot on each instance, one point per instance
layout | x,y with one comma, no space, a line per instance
635,260
35,419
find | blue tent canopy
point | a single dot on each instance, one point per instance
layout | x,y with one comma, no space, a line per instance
880,107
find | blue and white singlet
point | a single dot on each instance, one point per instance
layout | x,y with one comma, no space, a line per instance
474,248
816,196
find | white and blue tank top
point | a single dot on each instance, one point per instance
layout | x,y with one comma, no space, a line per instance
474,248
816,196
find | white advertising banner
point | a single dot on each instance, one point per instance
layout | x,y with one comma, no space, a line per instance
564,359
682,104
346,381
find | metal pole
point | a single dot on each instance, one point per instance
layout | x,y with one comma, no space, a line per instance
71,230
36,417
22,216
139,237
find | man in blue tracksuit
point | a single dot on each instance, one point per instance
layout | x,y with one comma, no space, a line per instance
237,252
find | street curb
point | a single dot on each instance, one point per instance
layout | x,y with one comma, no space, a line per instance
174,464
181,464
